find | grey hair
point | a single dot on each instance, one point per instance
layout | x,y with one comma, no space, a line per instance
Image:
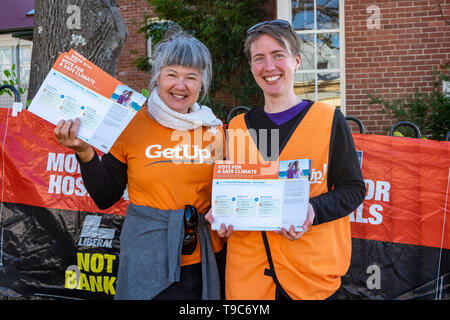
181,49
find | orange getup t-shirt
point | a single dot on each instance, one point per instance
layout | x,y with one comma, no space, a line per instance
168,169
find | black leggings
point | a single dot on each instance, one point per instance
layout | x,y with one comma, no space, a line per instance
190,285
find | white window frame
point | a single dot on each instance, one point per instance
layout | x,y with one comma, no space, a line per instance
8,67
14,44
7,41
149,40
20,64
284,11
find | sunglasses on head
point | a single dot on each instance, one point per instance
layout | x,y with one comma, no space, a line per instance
190,230
278,23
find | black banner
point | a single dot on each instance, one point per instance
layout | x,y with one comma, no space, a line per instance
60,254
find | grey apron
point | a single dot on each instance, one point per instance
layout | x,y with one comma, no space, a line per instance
150,254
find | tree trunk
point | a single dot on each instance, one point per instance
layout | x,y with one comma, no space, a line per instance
93,28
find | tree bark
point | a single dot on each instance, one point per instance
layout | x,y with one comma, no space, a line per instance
93,28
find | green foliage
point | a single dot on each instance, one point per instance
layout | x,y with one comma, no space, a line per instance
221,25
141,62
429,111
10,78
145,93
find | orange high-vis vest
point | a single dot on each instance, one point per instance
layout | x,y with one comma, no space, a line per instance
310,267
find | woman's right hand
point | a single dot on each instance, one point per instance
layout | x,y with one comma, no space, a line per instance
224,231
66,133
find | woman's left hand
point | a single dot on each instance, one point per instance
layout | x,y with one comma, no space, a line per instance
208,216
291,234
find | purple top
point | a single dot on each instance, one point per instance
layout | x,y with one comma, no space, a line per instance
281,117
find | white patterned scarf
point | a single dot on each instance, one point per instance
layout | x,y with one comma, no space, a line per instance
199,115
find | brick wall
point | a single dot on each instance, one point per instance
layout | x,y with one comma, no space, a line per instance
133,13
396,59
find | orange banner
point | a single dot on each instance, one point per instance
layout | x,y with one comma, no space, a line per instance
38,171
407,182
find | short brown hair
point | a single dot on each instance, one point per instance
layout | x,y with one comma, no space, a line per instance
280,34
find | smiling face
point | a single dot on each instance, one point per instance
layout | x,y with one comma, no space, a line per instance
273,66
179,87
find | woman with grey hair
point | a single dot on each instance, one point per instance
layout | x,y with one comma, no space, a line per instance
165,156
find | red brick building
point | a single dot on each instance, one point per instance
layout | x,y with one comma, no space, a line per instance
350,48
133,13
394,58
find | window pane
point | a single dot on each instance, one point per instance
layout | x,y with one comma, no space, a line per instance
24,75
5,61
303,14
320,50
327,51
25,63
307,51
304,85
329,88
25,55
5,57
327,14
